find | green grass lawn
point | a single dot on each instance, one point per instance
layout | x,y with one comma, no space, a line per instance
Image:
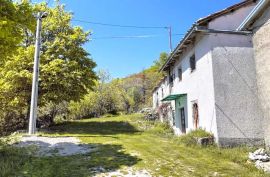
127,141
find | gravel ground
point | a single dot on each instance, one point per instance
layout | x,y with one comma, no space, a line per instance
54,146
65,146
126,172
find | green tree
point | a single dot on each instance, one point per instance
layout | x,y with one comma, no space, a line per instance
15,20
161,61
66,70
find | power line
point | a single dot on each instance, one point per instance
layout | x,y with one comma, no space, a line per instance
121,26
133,36
131,26
125,37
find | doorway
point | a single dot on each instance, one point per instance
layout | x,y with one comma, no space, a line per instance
195,111
183,120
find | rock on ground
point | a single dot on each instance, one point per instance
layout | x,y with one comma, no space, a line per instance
265,166
260,155
261,159
54,146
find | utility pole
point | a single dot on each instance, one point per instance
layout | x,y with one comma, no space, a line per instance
34,95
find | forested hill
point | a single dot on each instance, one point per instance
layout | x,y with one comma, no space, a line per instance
146,81
129,94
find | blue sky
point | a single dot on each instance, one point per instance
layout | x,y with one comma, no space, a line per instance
122,57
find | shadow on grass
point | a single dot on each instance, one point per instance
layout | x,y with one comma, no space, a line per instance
17,162
94,128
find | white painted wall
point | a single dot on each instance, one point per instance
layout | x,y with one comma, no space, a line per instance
232,20
198,85
157,94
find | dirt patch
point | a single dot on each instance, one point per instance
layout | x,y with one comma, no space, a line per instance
54,146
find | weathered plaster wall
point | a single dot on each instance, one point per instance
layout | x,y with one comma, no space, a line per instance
261,42
237,107
232,20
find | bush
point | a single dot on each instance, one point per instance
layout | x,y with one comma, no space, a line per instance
200,133
12,120
162,128
190,139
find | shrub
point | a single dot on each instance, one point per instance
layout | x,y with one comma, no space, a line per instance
190,139
162,128
163,111
200,133
12,120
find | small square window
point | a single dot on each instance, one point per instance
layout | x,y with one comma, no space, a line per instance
180,73
192,62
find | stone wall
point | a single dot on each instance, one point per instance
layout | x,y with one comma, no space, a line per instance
261,43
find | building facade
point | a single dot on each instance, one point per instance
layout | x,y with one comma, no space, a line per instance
211,80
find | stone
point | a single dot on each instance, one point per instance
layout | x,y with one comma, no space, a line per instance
265,166
260,151
204,141
260,155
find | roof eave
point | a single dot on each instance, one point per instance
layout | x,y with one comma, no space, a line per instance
179,46
224,11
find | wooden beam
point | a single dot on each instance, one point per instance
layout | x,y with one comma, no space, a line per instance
179,52
184,46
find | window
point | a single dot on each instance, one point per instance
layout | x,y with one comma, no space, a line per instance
157,102
162,93
183,120
180,73
171,77
171,80
173,117
192,62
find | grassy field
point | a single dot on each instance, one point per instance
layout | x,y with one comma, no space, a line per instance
127,141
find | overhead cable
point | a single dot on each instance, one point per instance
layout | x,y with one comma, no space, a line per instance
121,26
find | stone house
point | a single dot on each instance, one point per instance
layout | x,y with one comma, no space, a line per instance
258,22
211,80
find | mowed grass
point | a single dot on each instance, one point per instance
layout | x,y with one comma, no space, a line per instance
128,141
